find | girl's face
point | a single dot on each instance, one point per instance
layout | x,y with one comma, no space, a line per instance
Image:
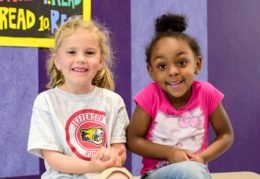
173,66
79,58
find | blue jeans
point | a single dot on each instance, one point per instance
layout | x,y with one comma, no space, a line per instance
180,170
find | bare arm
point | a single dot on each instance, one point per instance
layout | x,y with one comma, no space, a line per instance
67,164
224,135
137,143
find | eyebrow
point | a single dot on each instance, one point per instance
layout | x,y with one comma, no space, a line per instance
177,55
180,53
158,57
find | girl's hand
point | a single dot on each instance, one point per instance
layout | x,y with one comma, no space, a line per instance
103,159
105,153
113,156
118,159
177,155
195,157
120,152
68,164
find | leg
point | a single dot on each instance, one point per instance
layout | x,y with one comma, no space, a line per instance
182,170
117,175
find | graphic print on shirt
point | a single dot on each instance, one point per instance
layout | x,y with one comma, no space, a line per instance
85,132
93,135
186,131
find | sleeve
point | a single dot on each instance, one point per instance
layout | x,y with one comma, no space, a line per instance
145,98
42,132
120,125
214,97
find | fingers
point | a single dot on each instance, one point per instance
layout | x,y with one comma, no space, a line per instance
107,157
189,154
116,159
110,161
194,157
120,150
97,155
177,155
106,154
185,157
103,154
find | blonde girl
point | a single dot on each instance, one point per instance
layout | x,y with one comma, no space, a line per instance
78,125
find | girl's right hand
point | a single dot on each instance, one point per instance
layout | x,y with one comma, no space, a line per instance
177,155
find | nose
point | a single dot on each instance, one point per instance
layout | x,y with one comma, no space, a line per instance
173,70
81,58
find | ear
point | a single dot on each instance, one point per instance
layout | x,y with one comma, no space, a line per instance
151,72
56,61
101,63
198,64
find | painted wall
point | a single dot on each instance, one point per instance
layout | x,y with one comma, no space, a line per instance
228,33
19,87
234,67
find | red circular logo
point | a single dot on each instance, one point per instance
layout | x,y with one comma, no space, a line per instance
85,132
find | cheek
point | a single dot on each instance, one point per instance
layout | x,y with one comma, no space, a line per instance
64,64
189,74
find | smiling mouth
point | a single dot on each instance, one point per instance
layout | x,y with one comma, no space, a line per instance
175,84
79,69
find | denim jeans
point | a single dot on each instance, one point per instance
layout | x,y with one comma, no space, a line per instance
180,170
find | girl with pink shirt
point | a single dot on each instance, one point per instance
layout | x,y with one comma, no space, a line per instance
170,124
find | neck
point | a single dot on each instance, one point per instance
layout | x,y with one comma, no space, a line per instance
78,89
182,101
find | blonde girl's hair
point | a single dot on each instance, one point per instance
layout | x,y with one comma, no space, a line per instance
104,77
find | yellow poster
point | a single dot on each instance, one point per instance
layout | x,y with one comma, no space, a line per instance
32,23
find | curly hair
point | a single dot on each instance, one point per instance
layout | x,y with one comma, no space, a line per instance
171,25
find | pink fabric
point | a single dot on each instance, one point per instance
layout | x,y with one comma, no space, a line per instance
185,128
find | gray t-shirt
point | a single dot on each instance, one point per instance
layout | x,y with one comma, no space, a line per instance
76,124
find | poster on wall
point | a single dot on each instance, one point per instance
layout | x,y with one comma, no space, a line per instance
32,23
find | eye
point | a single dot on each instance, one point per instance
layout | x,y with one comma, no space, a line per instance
90,52
71,52
182,63
161,66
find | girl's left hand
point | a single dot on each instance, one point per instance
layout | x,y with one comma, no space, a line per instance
116,152
105,154
120,150
195,157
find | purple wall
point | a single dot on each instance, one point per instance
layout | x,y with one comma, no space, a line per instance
231,51
18,88
234,68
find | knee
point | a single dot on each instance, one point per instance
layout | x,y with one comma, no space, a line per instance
117,175
191,169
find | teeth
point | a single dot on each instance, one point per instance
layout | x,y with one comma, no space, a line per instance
80,70
173,83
